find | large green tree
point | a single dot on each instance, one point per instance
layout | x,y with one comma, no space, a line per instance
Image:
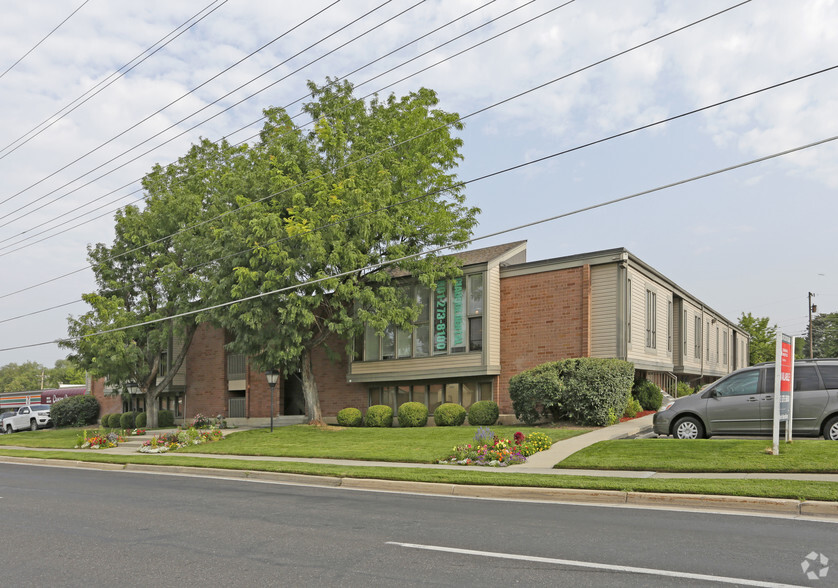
140,278
370,183
824,335
763,342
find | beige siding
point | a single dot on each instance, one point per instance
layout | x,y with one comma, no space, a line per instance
638,352
604,311
492,315
424,367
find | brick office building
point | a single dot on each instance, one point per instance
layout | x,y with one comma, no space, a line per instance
502,316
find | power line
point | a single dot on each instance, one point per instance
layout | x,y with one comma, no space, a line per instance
18,193
262,118
460,184
113,77
507,99
44,39
456,245
202,223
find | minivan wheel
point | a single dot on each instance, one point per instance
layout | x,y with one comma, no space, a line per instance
688,428
830,429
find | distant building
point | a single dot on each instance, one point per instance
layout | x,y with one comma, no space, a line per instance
502,316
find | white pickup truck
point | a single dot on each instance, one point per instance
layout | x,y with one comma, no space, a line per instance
32,418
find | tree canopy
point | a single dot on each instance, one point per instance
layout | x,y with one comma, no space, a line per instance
763,337
824,335
323,219
31,375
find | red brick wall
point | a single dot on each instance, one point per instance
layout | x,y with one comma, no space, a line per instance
335,392
107,404
543,317
206,374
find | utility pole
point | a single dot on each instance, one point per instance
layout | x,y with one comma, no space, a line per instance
812,308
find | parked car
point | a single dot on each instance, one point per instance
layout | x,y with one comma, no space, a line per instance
32,417
742,403
3,415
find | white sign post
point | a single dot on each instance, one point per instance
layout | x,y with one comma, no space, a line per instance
783,378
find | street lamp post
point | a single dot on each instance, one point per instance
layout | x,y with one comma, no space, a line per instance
272,376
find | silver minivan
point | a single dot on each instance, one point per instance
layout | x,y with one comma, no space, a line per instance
742,403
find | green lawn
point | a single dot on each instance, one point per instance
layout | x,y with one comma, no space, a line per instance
706,455
469,475
410,445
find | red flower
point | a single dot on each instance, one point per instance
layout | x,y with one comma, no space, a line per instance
519,437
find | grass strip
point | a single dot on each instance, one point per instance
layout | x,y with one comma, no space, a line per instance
794,489
707,455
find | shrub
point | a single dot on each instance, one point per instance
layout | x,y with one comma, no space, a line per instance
632,408
648,394
75,411
483,413
126,421
683,389
536,393
413,414
113,421
595,390
165,418
379,415
140,421
449,415
350,417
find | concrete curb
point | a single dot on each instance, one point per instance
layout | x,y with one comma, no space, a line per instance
743,504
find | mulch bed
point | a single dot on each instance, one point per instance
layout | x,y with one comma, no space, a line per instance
642,413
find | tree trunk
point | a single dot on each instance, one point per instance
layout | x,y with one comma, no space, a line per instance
310,394
150,411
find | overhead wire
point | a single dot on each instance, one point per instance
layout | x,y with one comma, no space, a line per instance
390,147
48,35
262,118
112,78
457,245
465,182
64,167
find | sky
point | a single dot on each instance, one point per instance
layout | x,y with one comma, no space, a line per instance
89,109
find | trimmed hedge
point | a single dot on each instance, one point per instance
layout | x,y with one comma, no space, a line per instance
126,421
537,392
379,415
165,418
449,415
113,420
413,414
586,390
75,411
648,394
350,417
483,413
140,421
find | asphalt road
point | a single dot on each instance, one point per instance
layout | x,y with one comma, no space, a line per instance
76,527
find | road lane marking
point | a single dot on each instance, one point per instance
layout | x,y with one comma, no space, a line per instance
598,566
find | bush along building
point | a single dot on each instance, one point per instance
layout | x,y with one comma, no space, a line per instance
503,315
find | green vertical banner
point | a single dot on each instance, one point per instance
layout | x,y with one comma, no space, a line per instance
441,318
458,342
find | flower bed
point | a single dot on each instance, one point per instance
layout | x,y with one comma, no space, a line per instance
642,413
180,438
490,450
99,440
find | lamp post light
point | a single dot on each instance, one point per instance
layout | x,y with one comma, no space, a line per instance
272,376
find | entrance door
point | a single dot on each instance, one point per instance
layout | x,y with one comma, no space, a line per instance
292,390
735,406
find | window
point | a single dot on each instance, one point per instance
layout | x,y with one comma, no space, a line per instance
717,344
739,385
829,373
669,326
651,319
707,357
628,310
684,328
450,321
697,337
465,392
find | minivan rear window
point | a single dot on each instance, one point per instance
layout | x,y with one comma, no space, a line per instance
829,373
